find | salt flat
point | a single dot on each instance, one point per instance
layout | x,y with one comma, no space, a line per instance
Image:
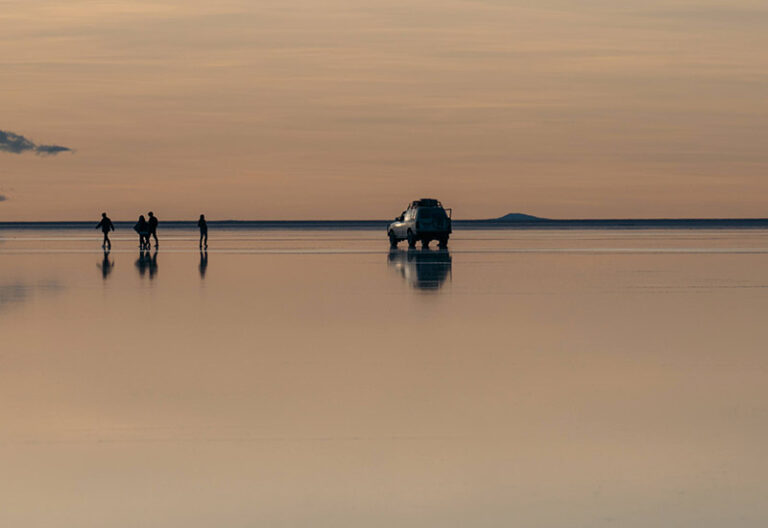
314,378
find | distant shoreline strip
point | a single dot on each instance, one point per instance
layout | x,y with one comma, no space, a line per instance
618,224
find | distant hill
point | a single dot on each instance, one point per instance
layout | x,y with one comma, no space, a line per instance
516,217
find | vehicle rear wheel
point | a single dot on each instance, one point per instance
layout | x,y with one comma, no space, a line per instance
392,240
411,239
443,242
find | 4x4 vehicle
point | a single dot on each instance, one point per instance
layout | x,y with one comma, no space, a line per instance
424,220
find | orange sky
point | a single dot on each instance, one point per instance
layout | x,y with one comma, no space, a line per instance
346,109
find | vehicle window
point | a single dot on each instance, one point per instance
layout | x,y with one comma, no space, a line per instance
431,213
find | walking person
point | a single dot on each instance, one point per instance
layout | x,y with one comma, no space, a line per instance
152,223
106,226
203,225
142,228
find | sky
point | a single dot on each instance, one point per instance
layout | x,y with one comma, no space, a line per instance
342,109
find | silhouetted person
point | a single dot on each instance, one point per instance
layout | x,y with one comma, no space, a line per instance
142,228
203,263
152,223
106,265
106,226
203,225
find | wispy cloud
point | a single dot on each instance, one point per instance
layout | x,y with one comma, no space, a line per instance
17,144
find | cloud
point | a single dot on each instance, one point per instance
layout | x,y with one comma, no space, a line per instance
17,144
45,150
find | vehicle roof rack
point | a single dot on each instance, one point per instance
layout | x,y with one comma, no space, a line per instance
426,202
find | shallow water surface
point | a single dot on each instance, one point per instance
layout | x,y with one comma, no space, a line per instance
314,378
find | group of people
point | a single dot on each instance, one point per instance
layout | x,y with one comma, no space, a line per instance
147,229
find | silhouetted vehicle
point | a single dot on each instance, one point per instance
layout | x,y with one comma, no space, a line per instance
424,220
424,269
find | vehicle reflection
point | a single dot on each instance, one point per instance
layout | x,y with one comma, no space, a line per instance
423,269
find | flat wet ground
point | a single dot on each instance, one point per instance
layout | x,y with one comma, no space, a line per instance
315,378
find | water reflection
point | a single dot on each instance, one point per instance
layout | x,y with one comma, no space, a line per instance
15,293
106,265
424,269
147,263
203,262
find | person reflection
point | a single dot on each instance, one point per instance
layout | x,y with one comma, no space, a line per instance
147,263
203,262
106,265
142,263
152,264
423,269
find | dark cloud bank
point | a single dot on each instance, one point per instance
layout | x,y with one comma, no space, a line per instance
16,144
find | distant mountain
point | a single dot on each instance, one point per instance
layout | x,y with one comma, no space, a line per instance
516,217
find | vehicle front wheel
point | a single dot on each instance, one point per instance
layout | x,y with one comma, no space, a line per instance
443,242
425,243
392,240
411,239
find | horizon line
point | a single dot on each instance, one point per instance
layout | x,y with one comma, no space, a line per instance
522,219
